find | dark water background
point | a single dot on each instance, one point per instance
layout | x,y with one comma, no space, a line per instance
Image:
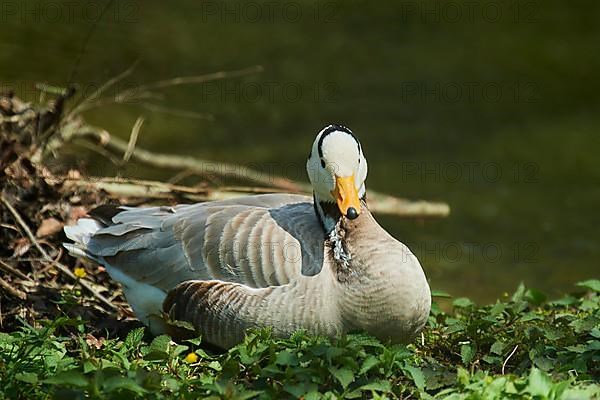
491,106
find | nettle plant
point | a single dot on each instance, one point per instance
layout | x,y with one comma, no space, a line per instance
521,347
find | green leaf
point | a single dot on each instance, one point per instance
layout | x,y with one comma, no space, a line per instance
553,333
377,386
301,388
159,348
215,365
89,366
343,375
543,363
171,384
313,395
134,338
196,342
455,326
539,383
498,347
333,352
246,394
286,358
535,297
69,378
565,301
5,339
586,324
497,309
160,344
27,377
121,383
530,316
494,360
440,293
179,349
519,293
462,302
369,363
593,284
417,376
462,376
364,341
467,352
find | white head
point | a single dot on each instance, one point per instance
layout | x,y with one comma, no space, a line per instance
337,169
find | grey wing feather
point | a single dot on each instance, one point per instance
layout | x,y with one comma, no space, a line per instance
258,241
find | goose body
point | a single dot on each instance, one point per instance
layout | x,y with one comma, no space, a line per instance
286,261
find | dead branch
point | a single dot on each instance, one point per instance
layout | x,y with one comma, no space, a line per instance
120,187
144,91
135,131
378,202
137,188
10,269
187,80
12,290
169,161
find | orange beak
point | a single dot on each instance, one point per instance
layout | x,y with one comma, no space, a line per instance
346,196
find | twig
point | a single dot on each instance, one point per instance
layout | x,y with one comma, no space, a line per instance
60,266
169,161
7,226
102,151
160,190
508,358
135,131
86,39
176,112
53,264
107,85
144,91
12,290
104,101
9,268
187,80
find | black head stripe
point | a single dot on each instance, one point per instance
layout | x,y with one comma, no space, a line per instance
334,128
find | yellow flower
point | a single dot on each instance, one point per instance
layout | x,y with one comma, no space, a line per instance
80,273
191,358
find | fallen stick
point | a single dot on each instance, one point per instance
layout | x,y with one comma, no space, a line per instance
378,202
12,270
12,290
120,187
168,161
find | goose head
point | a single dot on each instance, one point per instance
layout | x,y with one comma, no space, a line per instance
337,170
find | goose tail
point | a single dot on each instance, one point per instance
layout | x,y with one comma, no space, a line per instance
81,234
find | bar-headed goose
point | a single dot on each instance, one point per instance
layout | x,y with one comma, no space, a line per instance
281,260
